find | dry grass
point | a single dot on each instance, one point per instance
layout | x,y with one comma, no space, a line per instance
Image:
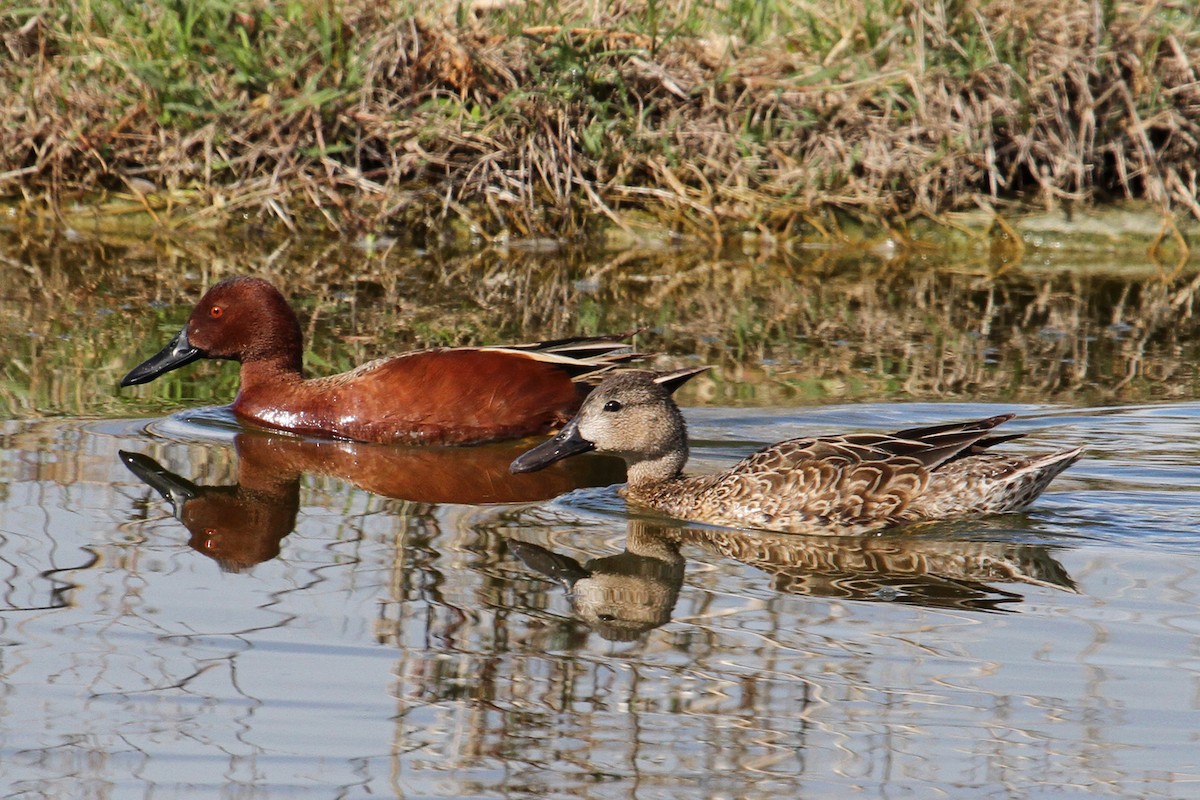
549,119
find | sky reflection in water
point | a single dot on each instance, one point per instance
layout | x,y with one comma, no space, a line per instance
191,610
412,648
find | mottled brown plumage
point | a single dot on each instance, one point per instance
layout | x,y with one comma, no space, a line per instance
623,595
852,482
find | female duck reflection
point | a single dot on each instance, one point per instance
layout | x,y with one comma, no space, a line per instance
625,595
243,524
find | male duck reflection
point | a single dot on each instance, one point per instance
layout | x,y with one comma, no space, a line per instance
242,524
464,395
854,482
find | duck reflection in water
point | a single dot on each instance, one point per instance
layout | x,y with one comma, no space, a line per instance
243,524
625,595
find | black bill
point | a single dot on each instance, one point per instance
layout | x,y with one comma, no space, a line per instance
560,568
174,489
568,442
176,354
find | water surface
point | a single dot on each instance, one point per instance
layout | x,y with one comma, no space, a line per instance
192,609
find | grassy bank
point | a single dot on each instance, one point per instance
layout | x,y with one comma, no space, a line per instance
547,118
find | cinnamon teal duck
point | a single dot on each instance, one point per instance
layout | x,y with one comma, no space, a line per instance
464,395
852,483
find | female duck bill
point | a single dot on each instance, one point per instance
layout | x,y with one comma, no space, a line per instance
568,442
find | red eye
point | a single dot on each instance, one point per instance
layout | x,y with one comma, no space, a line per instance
216,311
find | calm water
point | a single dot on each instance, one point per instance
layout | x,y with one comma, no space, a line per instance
194,610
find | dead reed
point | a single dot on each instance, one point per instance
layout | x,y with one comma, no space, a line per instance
534,119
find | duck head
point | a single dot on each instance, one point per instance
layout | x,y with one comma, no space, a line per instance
239,319
631,414
619,596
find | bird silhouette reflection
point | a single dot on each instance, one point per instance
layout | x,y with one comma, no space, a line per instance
243,524
624,595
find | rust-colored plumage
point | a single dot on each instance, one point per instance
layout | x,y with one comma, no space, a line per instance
243,524
441,396
853,482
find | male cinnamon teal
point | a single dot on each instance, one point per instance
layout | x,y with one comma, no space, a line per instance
460,395
854,482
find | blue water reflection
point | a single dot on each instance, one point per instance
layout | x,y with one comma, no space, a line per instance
414,646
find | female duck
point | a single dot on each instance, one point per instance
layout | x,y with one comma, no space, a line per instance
442,396
855,482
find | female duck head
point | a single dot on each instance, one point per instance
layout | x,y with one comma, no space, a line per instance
240,319
630,414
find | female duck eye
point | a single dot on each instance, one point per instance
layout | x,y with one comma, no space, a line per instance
612,405
215,312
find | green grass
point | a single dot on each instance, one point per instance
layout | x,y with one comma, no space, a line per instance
551,118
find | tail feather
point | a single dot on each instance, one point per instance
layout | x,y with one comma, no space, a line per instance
937,445
934,431
990,483
1049,465
579,356
991,441
1026,484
